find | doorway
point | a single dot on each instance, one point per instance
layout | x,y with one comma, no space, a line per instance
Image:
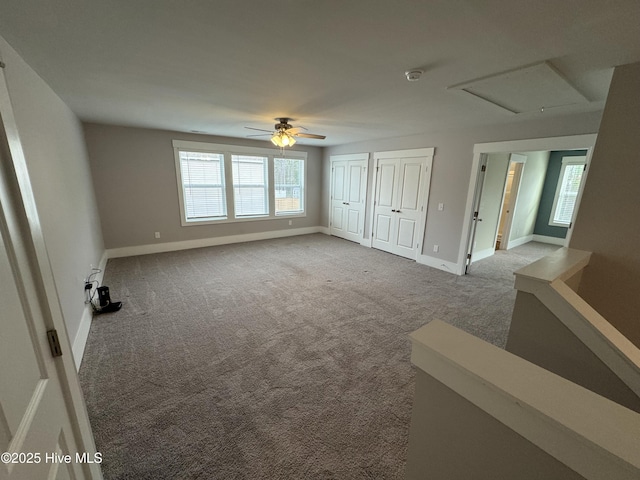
475,192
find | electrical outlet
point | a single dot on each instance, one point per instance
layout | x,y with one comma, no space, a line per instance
290,222
436,248
157,234
441,206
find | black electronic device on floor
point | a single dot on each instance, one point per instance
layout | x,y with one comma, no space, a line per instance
104,299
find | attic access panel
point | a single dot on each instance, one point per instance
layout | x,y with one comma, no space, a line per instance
524,89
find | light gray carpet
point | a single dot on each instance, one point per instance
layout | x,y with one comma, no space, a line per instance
279,359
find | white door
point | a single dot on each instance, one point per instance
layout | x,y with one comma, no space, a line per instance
400,200
42,413
348,196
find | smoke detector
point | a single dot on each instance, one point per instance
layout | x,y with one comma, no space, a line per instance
413,75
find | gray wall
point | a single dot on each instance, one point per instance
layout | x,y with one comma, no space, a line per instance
608,223
136,188
542,226
56,157
452,439
538,336
452,168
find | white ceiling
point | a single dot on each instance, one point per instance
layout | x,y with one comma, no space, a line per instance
335,66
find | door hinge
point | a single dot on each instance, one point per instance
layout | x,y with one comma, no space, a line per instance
484,168
54,343
468,256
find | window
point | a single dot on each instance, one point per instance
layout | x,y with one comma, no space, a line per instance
289,185
229,183
203,185
250,188
567,191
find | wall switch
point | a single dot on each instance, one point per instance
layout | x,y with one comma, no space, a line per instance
441,206
436,248
157,234
290,222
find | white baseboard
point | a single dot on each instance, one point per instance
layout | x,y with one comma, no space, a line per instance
209,242
440,264
549,240
80,342
519,241
325,230
487,252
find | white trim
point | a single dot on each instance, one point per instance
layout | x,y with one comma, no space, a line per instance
573,142
209,242
227,152
482,254
438,263
519,241
348,157
324,230
590,434
549,240
409,153
80,342
226,148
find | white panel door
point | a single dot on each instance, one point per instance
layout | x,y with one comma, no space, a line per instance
38,398
399,208
384,217
409,203
348,196
338,198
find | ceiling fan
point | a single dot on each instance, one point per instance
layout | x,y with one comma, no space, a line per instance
284,134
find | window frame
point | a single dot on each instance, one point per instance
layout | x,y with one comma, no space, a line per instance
227,151
566,161
303,187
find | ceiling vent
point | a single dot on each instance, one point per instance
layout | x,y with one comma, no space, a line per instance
526,89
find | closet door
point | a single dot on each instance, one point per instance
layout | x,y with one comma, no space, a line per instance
402,182
348,196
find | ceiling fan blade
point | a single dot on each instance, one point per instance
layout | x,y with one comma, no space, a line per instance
260,135
294,130
309,135
259,129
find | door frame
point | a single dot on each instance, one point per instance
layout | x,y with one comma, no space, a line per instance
349,157
426,185
572,142
34,254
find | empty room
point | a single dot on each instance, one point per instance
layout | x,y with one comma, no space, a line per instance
319,240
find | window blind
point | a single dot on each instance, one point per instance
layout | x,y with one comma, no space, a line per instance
568,193
203,184
250,185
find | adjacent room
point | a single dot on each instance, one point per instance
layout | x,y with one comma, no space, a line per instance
248,240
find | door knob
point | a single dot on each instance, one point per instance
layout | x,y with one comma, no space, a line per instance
393,210
398,211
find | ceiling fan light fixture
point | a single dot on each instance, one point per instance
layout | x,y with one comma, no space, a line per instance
282,139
